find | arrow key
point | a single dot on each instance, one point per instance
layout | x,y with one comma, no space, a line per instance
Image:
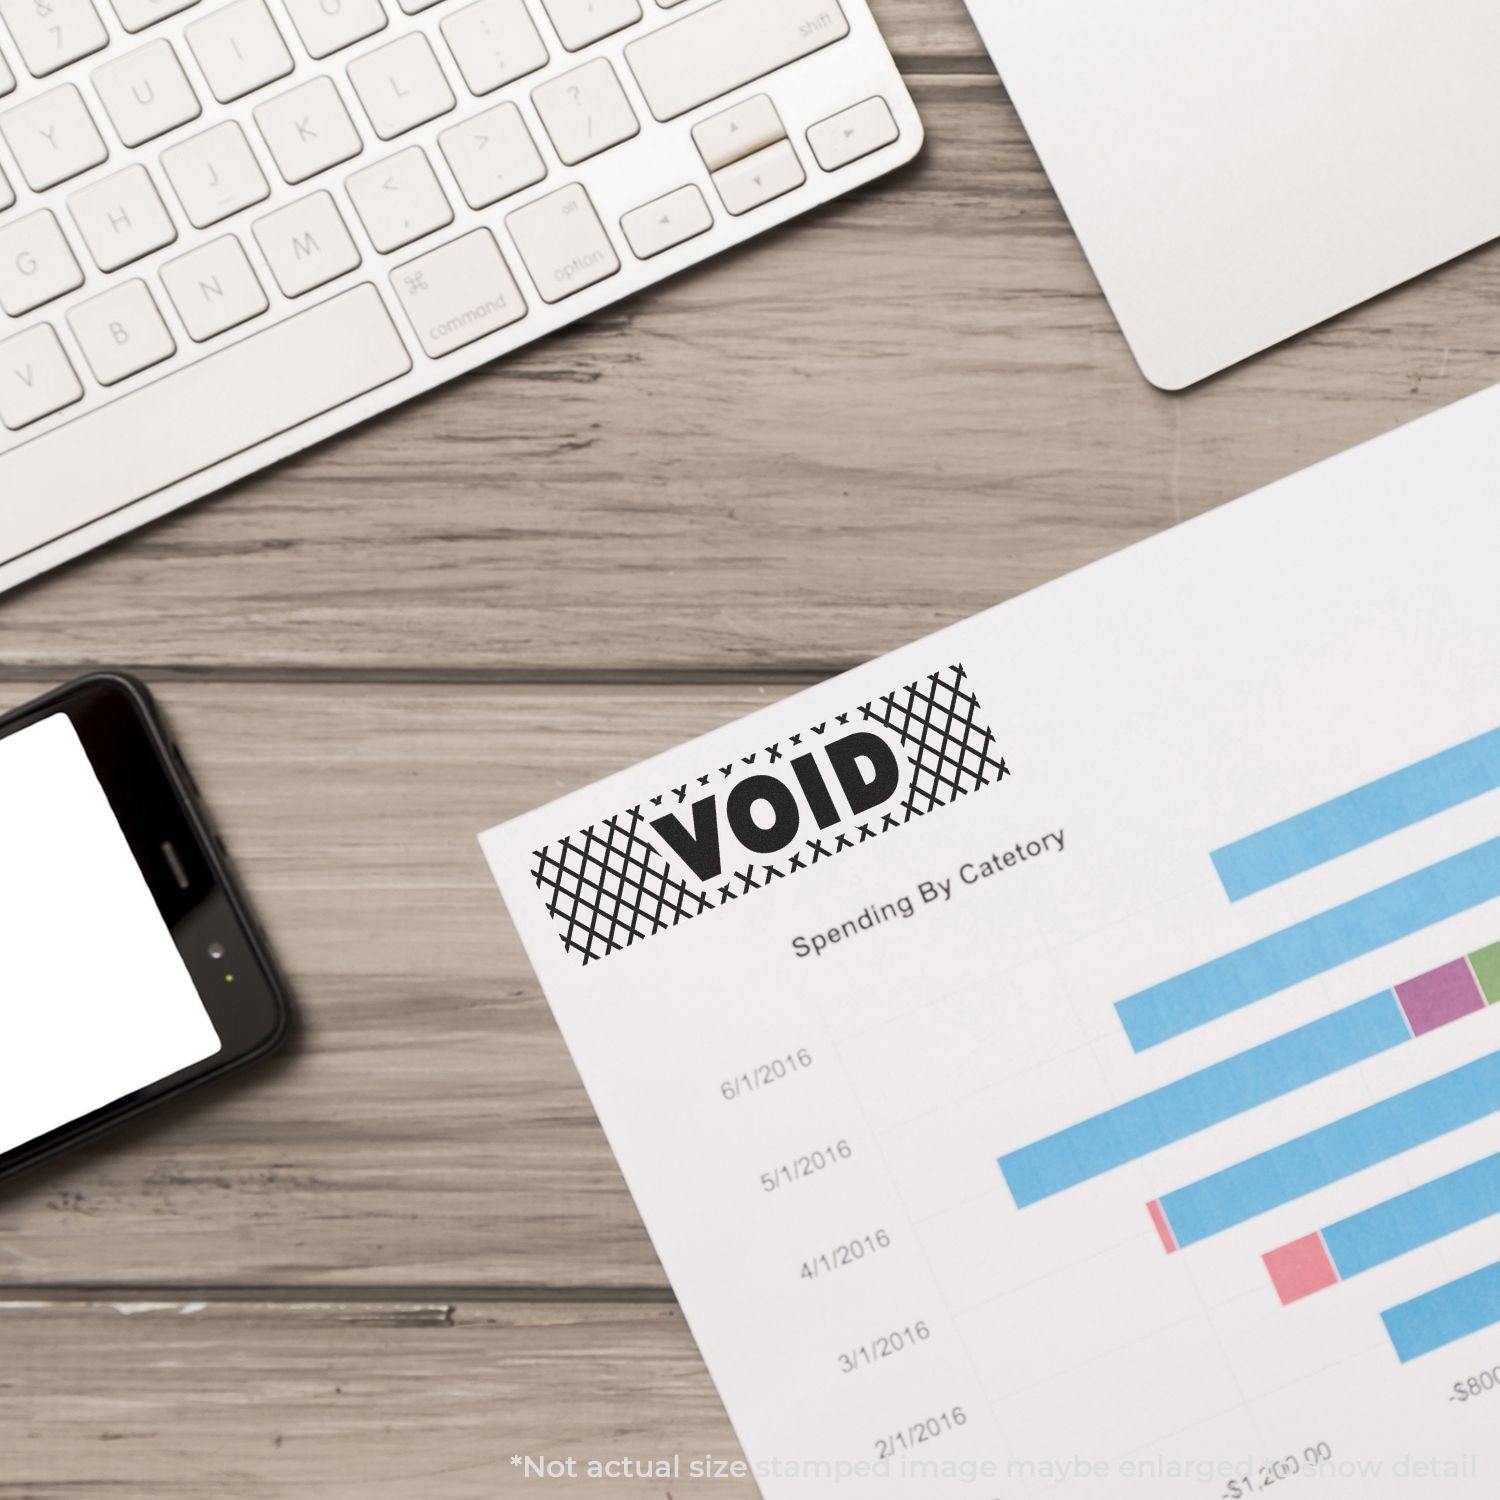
667,222
738,132
852,134
759,179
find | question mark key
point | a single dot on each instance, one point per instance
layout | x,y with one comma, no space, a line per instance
585,111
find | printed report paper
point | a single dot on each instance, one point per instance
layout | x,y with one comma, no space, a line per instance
1063,1056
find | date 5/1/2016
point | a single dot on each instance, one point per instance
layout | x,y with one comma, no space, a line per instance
809,1164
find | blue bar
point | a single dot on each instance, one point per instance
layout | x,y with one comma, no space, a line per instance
1183,1108
1421,1217
1311,947
1334,1151
1442,1317
1360,817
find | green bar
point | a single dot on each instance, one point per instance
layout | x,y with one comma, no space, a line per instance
1486,966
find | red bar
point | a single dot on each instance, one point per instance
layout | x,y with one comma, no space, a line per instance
1162,1227
1301,1268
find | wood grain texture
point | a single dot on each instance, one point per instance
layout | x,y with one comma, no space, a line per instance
934,35
348,1400
891,415
424,1126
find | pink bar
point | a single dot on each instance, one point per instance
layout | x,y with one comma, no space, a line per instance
1301,1268
1162,1227
1440,996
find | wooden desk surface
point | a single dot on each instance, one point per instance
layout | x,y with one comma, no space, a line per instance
400,1253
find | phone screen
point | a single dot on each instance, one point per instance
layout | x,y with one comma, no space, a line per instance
95,1000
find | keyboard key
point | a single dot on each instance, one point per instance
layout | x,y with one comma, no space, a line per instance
306,244
458,293
137,15
494,42
582,22
35,381
36,264
415,7
239,49
563,243
121,333
214,288
399,200
492,155
7,193
121,218
53,137
852,134
215,174
760,178
308,129
667,222
727,44
7,78
401,85
328,26
585,111
224,404
50,34
146,93
737,132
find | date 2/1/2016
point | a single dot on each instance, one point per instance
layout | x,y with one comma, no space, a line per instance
915,1434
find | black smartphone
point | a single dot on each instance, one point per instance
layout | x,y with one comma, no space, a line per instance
130,968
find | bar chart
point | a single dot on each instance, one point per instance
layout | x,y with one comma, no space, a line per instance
1249,1188
1461,991
1227,1088
1311,947
1165,1166
1359,817
1385,1231
1445,1314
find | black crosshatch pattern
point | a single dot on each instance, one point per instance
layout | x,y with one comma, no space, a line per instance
609,886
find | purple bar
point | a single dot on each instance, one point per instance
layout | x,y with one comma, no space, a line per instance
1440,996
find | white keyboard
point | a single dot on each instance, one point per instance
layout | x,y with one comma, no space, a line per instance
228,230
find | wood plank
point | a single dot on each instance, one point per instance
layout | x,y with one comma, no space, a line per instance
425,1125
932,34
349,1401
897,413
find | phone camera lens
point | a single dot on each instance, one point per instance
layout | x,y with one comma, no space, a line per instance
216,951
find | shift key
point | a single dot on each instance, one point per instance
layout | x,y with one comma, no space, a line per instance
722,46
